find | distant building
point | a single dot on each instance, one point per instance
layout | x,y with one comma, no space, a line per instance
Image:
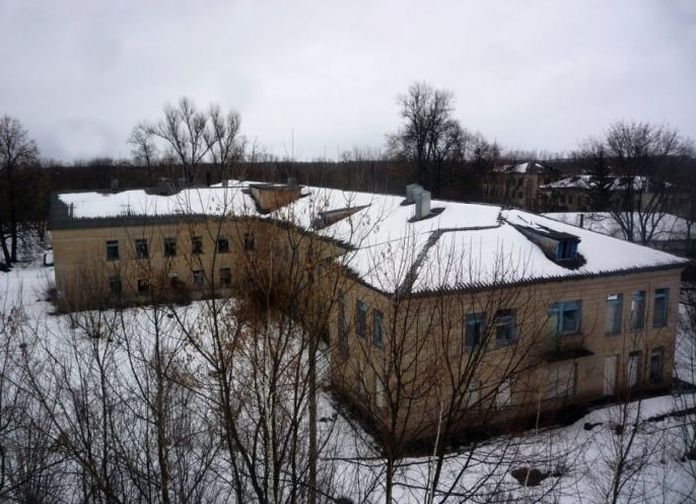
518,185
496,313
573,193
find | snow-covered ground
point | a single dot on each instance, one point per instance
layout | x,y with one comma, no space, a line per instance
580,462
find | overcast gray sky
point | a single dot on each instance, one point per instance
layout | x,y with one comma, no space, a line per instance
531,74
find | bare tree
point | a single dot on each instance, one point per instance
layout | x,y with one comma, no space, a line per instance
184,129
429,135
144,149
16,150
643,157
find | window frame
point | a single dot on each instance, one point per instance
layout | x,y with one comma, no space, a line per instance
638,299
342,327
617,306
196,245
222,245
361,319
378,328
512,317
660,353
111,246
477,320
169,246
663,294
143,286
559,309
115,285
142,248
225,277
198,278
633,357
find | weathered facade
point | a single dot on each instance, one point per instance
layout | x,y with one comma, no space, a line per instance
415,345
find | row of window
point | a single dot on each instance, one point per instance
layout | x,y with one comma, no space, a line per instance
198,280
565,318
637,321
142,248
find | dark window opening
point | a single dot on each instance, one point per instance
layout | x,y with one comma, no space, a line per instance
361,319
169,247
225,277
656,365
249,241
143,285
115,284
223,245
505,328
474,329
141,249
198,278
377,328
660,307
112,250
196,245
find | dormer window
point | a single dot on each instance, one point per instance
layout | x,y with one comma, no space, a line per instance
567,250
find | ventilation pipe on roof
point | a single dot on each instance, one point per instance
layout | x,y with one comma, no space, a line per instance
422,204
411,190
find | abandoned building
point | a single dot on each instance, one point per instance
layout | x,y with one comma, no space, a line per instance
438,311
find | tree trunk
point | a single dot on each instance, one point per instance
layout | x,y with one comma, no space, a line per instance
13,215
3,244
312,494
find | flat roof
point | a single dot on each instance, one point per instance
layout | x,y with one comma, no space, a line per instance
467,245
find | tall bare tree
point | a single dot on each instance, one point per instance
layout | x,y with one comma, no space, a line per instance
429,135
144,149
644,157
16,150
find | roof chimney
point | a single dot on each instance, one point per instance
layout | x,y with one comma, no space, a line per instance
422,204
411,190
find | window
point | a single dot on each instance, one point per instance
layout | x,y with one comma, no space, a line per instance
249,241
112,250
342,327
660,307
143,285
473,393
169,247
474,329
633,369
560,381
141,249
638,310
115,284
377,328
656,365
223,245
198,278
196,245
225,277
361,319
566,250
614,309
567,317
380,393
505,328
503,398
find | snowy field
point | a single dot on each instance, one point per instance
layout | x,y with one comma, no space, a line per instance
638,449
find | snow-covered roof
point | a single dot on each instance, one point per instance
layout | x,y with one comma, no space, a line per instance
585,182
528,167
658,226
466,245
